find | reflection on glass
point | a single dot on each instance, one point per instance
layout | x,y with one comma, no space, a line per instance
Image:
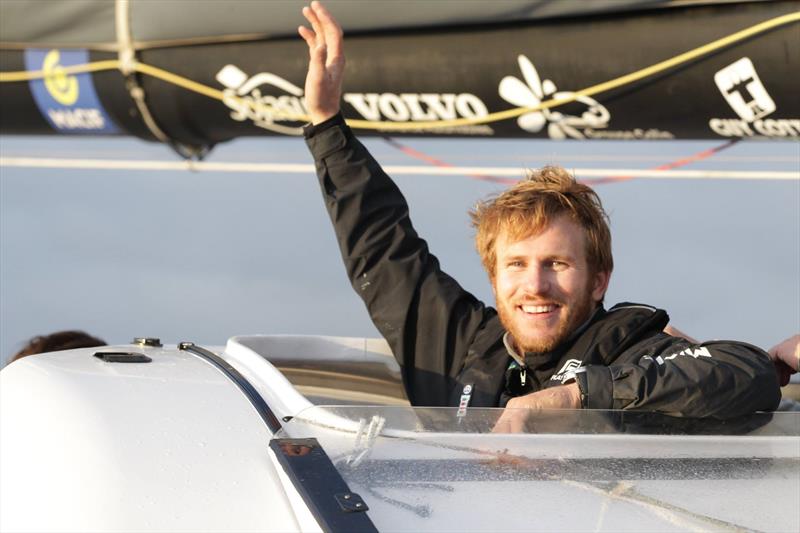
427,469
295,450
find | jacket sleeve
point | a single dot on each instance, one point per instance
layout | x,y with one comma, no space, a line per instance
426,317
720,379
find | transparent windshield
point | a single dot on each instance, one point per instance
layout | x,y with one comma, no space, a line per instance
429,469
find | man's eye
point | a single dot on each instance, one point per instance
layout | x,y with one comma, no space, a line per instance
557,265
516,264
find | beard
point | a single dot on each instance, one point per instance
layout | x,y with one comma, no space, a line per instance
571,315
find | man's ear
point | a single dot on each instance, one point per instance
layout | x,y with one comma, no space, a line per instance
600,285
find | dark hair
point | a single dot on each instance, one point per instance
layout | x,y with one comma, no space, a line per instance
60,340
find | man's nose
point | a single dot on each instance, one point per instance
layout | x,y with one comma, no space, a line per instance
537,281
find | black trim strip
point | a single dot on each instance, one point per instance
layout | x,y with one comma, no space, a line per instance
122,357
321,486
252,394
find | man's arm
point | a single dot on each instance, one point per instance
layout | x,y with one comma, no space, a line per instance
785,355
427,318
672,375
719,379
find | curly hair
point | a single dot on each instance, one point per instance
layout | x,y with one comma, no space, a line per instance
529,206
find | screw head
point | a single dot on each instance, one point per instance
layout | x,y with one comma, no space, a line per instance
148,341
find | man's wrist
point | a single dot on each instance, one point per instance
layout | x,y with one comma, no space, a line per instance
309,130
578,379
319,117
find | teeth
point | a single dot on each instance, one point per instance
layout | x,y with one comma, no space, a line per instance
538,308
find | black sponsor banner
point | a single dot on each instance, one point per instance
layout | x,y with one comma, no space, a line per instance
469,75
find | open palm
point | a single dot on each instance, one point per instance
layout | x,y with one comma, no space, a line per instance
323,89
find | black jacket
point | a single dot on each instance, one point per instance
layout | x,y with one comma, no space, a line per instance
445,339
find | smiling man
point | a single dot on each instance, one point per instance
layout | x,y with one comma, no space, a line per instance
546,246
547,277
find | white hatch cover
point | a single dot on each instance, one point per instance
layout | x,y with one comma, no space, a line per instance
172,444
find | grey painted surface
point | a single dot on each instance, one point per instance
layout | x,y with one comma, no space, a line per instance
204,256
91,22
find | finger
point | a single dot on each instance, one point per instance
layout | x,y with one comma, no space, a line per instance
316,53
308,14
311,16
331,29
308,36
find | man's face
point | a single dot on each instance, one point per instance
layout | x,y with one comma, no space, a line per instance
544,287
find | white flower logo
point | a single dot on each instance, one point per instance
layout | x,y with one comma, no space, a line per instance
533,91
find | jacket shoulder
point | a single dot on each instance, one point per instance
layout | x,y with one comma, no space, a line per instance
618,329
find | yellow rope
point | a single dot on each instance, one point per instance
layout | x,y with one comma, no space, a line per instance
27,75
602,87
180,81
216,94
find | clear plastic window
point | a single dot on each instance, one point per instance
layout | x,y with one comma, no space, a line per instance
429,469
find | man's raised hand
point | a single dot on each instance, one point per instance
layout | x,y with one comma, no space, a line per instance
323,90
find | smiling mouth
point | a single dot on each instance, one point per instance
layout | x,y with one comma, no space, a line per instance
539,309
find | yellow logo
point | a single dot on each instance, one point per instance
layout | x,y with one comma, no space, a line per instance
61,86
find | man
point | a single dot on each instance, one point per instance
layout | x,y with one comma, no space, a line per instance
546,246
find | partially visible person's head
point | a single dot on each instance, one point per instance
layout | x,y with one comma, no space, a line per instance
546,246
60,340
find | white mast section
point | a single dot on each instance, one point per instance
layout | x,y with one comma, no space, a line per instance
395,170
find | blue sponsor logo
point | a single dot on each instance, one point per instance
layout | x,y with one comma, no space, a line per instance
68,101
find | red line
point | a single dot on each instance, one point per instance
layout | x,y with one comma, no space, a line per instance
439,163
699,156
